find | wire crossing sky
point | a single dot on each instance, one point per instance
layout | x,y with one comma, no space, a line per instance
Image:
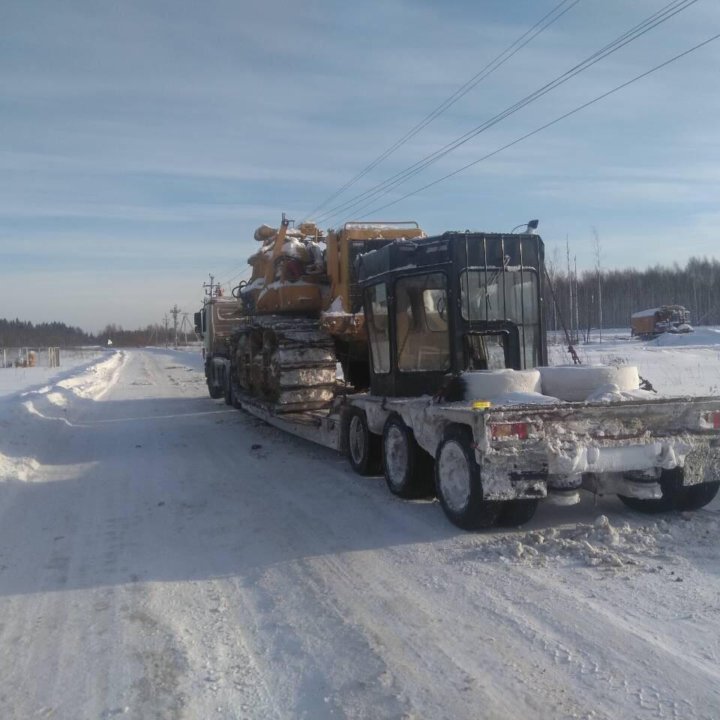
143,142
545,22
627,37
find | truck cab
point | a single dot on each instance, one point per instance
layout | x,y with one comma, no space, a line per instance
215,323
439,306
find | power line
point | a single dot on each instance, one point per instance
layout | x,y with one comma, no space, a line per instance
548,19
245,271
361,201
637,31
552,122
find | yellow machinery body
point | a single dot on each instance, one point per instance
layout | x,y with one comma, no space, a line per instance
294,275
301,313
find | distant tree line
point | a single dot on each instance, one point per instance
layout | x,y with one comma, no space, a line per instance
623,292
22,333
150,335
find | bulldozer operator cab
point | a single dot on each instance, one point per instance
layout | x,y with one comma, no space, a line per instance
439,306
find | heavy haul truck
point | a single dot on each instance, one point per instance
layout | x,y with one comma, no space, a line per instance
457,400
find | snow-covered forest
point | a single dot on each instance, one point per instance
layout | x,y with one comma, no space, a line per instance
22,333
623,292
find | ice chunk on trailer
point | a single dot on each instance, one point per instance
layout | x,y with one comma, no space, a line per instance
576,383
491,384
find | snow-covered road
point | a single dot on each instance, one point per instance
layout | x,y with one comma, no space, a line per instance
163,556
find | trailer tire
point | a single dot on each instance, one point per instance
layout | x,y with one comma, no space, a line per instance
458,483
216,392
694,497
407,467
230,396
516,512
364,449
675,495
227,392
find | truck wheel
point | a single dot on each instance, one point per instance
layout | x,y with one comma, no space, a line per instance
675,496
227,392
407,467
230,396
364,449
215,391
671,485
695,497
516,512
458,484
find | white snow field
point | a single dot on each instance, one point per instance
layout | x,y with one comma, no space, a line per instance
164,556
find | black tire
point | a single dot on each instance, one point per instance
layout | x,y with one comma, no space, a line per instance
458,483
227,390
516,512
363,448
230,393
407,467
694,497
675,495
215,392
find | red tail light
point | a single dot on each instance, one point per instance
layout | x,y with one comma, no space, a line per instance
509,431
713,419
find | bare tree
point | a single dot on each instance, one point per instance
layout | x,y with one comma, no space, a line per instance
598,270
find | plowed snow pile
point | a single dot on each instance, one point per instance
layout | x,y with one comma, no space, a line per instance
601,544
90,380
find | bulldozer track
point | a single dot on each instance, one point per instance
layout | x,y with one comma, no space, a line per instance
288,362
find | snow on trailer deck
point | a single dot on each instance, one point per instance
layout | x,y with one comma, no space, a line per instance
164,556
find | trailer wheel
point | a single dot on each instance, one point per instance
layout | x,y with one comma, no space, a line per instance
364,449
458,483
695,497
227,392
675,495
516,512
407,467
215,392
230,396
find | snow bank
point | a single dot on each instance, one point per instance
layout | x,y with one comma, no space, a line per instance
50,401
14,380
700,338
602,544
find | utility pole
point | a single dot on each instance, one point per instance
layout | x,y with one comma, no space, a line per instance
166,323
211,288
175,311
184,325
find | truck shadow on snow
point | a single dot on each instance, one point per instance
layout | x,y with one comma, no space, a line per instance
178,489
186,489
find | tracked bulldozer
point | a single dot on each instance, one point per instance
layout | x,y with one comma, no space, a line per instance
300,333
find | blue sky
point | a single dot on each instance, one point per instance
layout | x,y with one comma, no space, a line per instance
142,142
